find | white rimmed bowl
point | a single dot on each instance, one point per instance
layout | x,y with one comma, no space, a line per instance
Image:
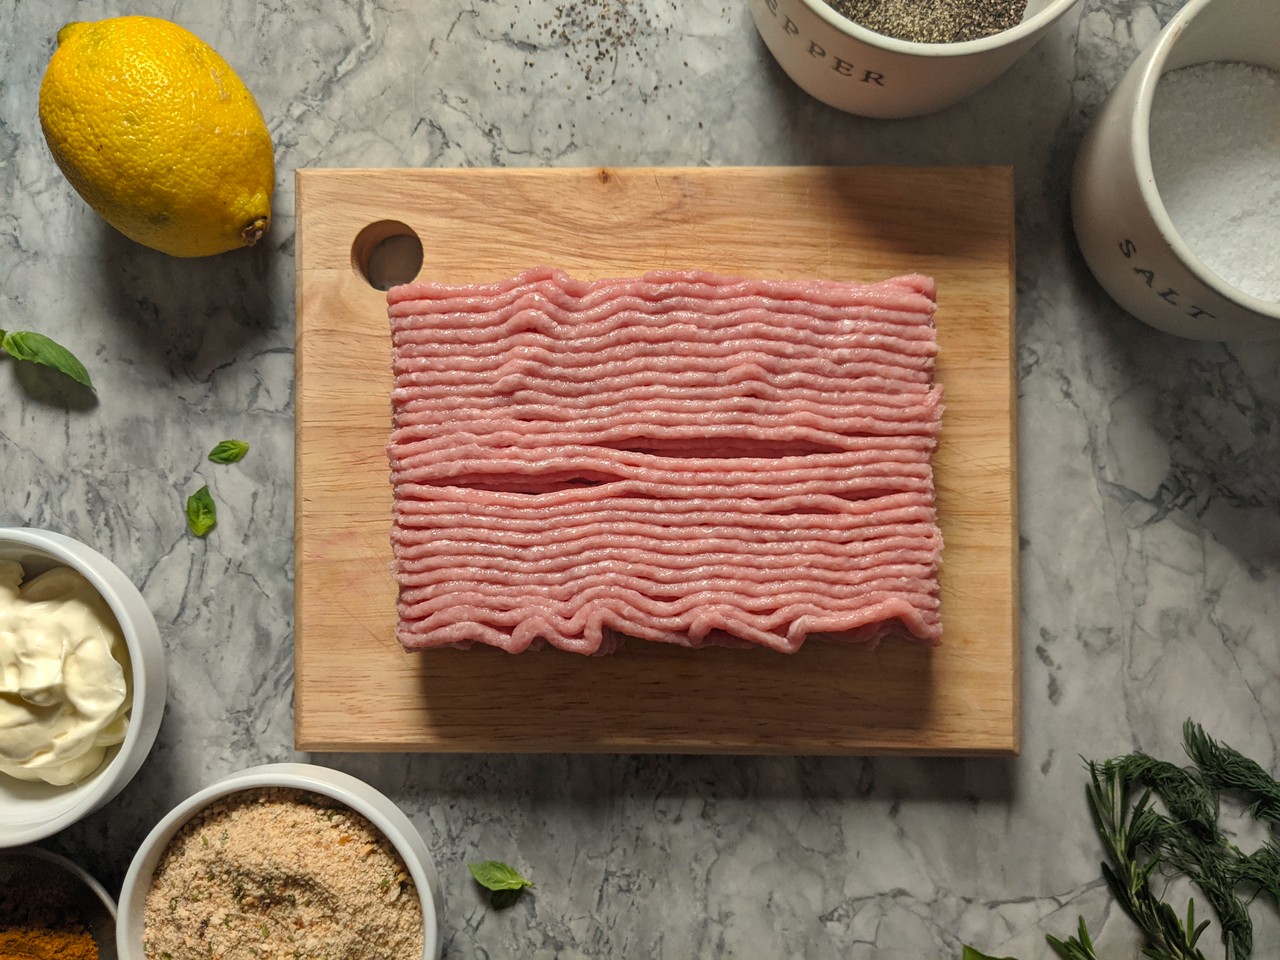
30,865
857,70
1121,224
30,811
356,794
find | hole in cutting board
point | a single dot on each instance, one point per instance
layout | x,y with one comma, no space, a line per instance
386,253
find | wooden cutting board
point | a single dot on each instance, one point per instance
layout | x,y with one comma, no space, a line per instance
355,689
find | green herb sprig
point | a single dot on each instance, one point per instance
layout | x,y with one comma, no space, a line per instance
504,884
37,348
971,954
1139,840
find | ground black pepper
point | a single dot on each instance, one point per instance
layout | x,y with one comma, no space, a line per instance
933,21
595,49
599,34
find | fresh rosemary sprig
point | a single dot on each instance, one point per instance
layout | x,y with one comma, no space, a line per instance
1132,833
1079,947
1138,840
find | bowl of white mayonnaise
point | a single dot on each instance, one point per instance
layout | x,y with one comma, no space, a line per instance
82,682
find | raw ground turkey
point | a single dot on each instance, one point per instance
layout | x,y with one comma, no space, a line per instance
681,457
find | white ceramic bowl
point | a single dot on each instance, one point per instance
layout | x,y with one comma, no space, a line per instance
30,811
30,865
356,794
857,70
1121,224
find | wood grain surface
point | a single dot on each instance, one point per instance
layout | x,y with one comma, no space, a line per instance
355,689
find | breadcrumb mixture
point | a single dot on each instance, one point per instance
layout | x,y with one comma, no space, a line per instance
280,874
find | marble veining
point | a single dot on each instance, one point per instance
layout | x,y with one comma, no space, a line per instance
1149,478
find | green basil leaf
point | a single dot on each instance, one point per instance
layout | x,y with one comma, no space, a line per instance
202,515
229,451
38,348
972,954
495,875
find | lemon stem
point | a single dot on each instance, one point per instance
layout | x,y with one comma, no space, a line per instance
254,230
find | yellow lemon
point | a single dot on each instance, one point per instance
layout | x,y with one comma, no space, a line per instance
157,133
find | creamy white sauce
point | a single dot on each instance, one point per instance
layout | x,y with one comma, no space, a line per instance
65,688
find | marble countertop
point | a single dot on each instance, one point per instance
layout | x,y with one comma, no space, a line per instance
1149,490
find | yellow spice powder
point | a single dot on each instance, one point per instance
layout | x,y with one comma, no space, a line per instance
44,920
41,943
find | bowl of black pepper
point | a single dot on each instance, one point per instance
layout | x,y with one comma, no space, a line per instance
287,861
51,909
900,58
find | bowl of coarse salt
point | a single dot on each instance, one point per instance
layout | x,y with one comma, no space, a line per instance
900,58
286,860
1176,190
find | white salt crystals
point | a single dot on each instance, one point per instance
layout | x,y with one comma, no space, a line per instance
1215,152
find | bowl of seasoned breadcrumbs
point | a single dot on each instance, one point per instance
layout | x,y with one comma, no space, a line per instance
287,861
